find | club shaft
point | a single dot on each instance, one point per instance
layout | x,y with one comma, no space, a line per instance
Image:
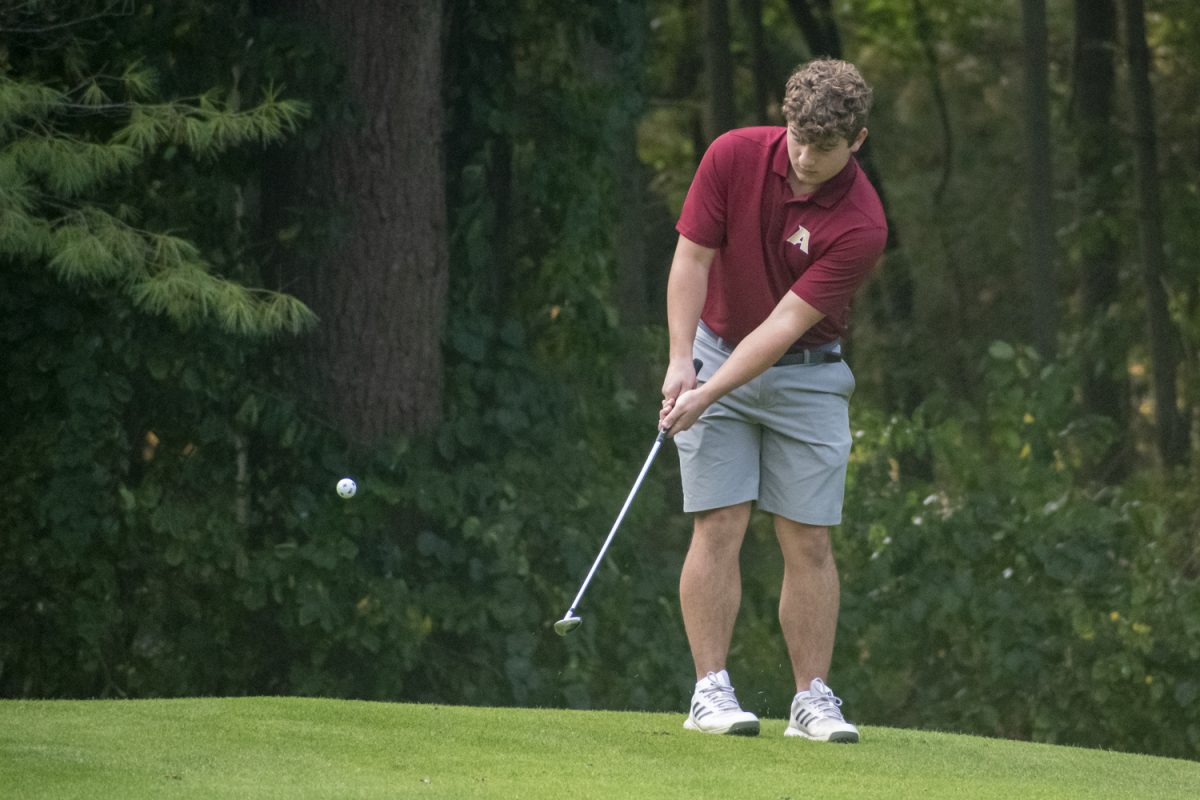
628,500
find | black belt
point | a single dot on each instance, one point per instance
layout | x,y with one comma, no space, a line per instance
809,357
805,357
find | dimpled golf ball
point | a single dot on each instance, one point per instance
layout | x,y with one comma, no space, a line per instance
346,488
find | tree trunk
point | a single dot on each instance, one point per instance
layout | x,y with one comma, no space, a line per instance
1172,432
631,181
926,37
1105,380
1038,140
381,292
760,61
718,69
818,27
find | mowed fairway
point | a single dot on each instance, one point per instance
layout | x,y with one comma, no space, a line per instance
298,748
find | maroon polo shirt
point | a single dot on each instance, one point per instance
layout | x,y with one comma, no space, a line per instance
768,241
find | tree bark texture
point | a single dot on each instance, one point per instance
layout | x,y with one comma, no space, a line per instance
381,293
1172,432
1040,180
818,27
764,88
718,68
925,35
1105,380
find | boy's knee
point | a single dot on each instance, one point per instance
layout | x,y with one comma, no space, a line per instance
721,528
809,544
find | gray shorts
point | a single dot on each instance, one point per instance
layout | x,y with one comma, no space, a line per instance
783,440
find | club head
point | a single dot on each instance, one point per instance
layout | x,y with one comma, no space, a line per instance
567,624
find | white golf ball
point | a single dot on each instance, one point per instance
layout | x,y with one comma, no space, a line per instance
346,488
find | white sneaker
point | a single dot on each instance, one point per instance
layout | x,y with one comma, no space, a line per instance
815,715
715,709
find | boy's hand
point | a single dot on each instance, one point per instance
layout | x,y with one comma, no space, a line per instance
681,376
683,412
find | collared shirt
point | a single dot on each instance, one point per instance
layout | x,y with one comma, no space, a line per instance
768,241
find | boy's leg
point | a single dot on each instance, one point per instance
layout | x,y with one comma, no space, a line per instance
808,599
710,592
808,612
805,450
806,447
718,459
710,585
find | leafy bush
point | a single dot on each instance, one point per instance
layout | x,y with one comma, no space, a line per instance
186,539
1005,599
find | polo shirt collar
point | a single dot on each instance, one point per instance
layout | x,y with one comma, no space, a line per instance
831,191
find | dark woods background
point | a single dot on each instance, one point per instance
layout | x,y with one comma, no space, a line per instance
249,248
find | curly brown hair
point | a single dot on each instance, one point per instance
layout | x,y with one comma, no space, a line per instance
826,99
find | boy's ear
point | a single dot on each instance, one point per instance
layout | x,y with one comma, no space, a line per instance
858,141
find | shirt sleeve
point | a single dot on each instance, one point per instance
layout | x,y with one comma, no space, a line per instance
704,210
829,283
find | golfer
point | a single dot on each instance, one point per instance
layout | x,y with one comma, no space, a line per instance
779,228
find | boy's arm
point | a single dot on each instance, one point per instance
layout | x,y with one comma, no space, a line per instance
755,354
687,288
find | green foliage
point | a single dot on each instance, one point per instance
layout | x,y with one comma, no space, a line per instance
1003,595
1006,598
534,103
63,146
171,526
100,515
230,566
214,557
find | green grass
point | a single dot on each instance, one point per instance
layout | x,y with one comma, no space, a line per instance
297,748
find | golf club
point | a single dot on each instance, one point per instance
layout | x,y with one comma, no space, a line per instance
570,621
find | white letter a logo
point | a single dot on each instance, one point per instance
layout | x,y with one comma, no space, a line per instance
800,238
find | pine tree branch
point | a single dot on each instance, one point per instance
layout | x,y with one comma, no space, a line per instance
108,11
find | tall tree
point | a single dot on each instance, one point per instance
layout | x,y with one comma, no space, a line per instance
1172,430
817,25
1040,182
633,294
380,290
1105,380
926,38
718,69
764,89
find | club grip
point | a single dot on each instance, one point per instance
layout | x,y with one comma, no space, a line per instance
696,364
